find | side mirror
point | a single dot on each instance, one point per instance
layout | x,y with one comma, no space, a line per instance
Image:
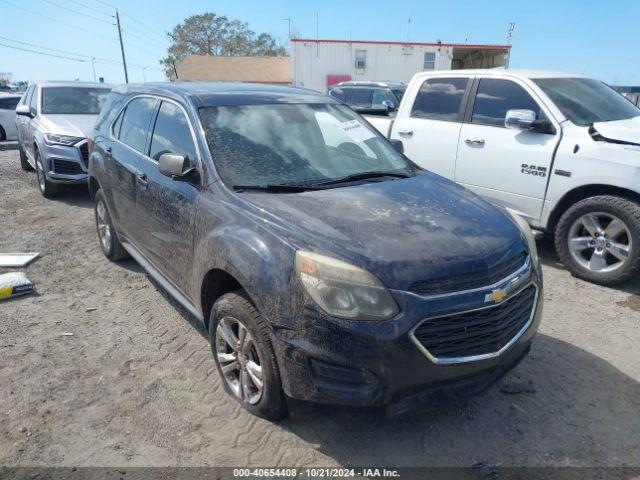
175,165
390,106
24,110
520,119
398,144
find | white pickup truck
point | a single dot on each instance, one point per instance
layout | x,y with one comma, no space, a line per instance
561,150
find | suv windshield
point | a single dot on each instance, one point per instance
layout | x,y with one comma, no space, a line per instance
297,144
585,101
73,100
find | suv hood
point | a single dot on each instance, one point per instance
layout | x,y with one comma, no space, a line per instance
74,125
402,231
625,131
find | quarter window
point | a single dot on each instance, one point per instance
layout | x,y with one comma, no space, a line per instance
429,61
135,123
495,97
172,134
26,100
33,100
440,99
361,59
382,94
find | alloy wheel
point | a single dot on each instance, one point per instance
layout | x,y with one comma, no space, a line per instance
239,360
104,229
600,242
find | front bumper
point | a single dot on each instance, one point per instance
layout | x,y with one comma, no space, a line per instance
379,363
65,164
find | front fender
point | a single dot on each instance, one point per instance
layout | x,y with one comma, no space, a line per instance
260,261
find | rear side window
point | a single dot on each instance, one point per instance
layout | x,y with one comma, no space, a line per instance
361,97
136,122
172,134
495,97
9,103
109,110
440,99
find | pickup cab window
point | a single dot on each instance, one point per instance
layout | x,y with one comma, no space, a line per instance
440,99
495,97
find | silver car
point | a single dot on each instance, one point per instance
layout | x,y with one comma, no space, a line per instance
53,122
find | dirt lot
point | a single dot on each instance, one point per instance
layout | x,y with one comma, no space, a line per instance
135,384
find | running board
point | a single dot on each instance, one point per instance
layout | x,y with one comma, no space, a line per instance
164,283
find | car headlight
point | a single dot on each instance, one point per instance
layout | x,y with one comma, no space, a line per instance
528,234
66,140
344,290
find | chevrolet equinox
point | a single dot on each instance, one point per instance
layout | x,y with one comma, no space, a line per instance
324,264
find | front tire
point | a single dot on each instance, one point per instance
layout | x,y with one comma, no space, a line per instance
242,349
598,239
47,188
109,242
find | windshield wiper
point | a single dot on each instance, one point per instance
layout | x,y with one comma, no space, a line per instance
282,188
364,176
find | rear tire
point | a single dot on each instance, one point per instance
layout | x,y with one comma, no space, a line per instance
109,242
24,161
248,368
598,239
3,134
47,188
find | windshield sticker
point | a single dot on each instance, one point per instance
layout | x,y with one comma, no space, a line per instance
357,131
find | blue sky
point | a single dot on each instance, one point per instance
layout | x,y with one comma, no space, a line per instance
596,38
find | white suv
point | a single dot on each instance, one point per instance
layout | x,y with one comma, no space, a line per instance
561,150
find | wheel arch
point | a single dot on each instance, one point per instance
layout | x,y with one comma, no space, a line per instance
94,186
586,191
217,282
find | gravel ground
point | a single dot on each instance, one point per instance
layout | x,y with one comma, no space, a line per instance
135,384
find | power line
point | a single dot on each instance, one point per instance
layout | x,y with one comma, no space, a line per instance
91,8
43,53
77,12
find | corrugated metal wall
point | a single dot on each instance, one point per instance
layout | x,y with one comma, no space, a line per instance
312,62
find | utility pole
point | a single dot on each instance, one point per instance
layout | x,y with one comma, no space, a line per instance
317,34
288,19
408,27
93,66
124,60
144,79
510,27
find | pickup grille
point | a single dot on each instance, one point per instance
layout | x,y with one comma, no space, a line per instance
84,152
470,280
66,167
477,332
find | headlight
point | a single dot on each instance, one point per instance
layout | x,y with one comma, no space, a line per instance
67,140
528,234
344,290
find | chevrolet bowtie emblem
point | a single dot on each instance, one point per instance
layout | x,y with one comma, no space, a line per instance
495,296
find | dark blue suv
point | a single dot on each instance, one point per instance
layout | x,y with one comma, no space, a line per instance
324,264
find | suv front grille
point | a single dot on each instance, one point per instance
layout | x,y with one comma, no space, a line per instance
84,151
477,332
66,167
469,281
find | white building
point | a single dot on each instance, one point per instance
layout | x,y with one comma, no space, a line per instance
318,64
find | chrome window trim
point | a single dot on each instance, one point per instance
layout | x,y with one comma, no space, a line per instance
161,99
484,356
526,266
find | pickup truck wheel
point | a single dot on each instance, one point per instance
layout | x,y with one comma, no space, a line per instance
598,239
109,242
47,188
242,350
24,162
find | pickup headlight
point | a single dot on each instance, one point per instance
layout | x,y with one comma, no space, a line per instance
528,234
66,140
344,290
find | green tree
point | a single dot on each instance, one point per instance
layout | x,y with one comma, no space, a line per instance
211,34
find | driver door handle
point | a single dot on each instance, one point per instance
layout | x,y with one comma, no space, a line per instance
405,132
474,141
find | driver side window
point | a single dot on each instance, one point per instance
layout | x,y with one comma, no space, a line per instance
495,97
172,134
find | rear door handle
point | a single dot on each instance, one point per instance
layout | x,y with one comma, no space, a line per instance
406,133
475,141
